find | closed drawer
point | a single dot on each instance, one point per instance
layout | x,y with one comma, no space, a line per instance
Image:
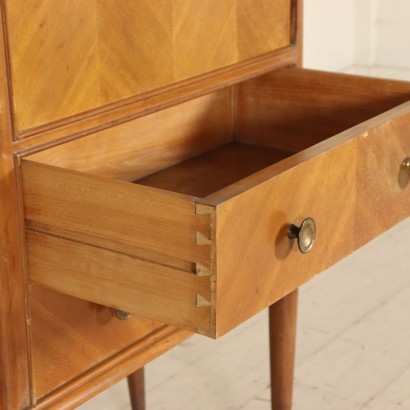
203,242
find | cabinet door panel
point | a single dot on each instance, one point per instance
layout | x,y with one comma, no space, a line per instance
69,57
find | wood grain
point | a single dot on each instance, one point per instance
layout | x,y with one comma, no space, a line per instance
119,281
54,74
113,368
120,49
383,186
89,332
292,109
111,213
204,36
263,28
135,47
212,171
81,125
14,353
254,257
151,143
256,263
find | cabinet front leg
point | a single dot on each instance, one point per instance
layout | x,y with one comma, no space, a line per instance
282,334
136,387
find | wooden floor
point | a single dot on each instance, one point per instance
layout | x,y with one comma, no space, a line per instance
353,349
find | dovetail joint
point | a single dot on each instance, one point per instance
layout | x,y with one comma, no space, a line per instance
202,270
204,209
201,239
202,302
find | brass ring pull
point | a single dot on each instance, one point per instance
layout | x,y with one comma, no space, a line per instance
406,164
305,234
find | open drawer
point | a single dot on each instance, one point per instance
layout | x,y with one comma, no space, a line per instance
182,216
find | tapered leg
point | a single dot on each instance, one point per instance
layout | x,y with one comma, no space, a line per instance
282,333
136,387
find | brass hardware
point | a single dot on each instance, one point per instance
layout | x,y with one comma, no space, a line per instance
305,234
406,164
120,314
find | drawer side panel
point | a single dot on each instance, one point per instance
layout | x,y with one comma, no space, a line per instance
119,281
113,214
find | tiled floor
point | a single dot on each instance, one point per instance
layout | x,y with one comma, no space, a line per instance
353,345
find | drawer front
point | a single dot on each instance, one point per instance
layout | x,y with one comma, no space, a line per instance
355,190
257,264
383,184
207,264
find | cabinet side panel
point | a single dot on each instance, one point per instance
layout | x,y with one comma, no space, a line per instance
14,361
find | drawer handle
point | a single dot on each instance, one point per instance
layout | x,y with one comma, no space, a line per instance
305,234
406,164
121,314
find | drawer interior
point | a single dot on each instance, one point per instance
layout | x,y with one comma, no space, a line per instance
203,146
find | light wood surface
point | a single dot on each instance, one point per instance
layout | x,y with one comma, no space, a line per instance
148,144
282,343
14,351
229,235
250,268
70,336
205,174
79,126
111,369
74,70
263,28
120,281
292,109
383,185
111,213
256,263
119,49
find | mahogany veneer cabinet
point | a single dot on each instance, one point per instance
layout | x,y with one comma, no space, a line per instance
156,158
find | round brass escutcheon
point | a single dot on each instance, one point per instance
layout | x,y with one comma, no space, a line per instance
121,314
406,164
305,234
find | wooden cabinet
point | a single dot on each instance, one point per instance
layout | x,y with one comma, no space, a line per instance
154,165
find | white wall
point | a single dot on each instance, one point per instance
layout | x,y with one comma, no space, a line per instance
393,33
329,33
343,33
